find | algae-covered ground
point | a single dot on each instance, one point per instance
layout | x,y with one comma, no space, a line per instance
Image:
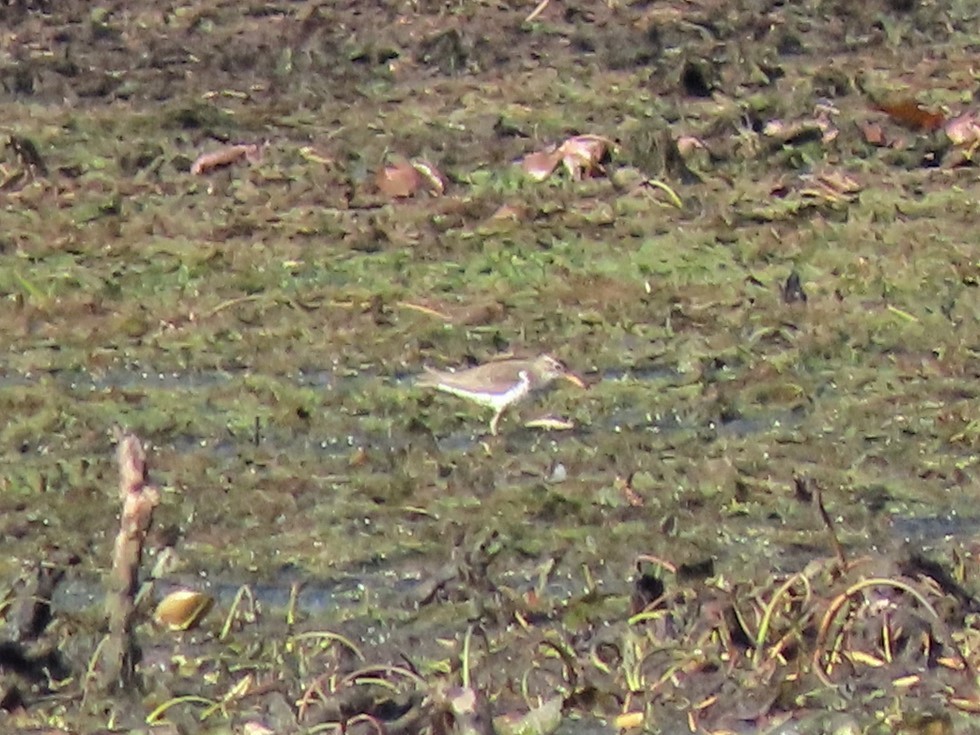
762,518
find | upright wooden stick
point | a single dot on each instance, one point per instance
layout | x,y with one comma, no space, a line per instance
139,499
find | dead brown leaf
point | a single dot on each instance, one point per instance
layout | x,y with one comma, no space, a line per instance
688,144
515,212
964,130
403,178
912,115
838,182
873,133
831,186
398,180
798,131
541,164
582,156
208,162
434,179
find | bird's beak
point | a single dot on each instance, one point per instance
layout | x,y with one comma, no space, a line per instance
574,379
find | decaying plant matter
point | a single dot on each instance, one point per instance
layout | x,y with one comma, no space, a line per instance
139,499
208,162
582,156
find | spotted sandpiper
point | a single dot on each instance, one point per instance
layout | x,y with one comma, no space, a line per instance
500,383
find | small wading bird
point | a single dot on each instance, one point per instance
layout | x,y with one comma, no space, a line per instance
501,383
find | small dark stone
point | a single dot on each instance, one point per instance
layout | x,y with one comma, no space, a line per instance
647,588
694,80
789,44
505,128
696,570
27,152
23,81
793,290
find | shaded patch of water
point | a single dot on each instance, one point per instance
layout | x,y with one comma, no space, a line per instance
930,529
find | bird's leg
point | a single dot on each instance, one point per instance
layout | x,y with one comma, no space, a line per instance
496,420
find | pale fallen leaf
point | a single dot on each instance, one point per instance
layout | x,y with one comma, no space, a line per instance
542,720
789,132
688,144
550,423
838,182
964,130
515,212
398,180
256,728
433,177
873,133
628,720
402,178
581,156
207,162
541,164
310,154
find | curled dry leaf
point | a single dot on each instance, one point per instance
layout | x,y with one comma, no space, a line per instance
402,178
584,155
832,186
873,133
964,130
625,485
912,115
581,155
398,180
829,130
208,162
256,728
688,144
838,182
434,180
542,720
800,131
825,108
550,423
776,128
183,609
309,153
541,164
515,212
358,458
